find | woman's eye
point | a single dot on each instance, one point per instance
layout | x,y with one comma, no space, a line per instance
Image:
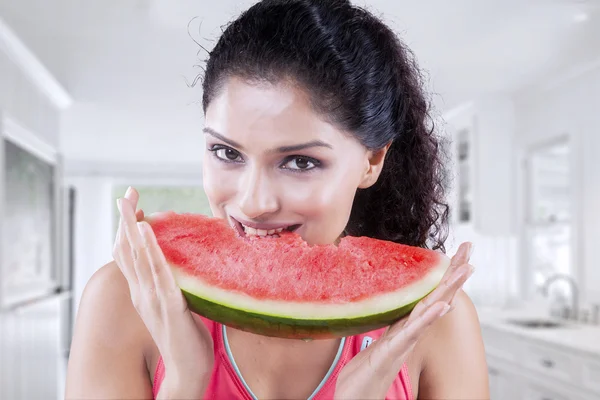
227,154
300,164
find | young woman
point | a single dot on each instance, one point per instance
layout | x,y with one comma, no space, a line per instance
315,117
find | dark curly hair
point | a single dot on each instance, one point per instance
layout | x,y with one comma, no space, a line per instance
364,80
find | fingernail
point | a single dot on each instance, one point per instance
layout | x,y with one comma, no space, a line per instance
445,310
471,248
128,192
119,204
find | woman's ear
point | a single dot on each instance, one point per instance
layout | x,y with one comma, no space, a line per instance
375,160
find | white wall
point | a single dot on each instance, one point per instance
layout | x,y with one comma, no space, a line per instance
93,228
24,102
573,108
163,134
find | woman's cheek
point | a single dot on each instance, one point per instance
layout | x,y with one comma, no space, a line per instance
219,185
325,207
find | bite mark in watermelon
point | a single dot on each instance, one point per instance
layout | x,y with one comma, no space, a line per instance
283,287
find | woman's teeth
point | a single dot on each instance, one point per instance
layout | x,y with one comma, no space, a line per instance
260,232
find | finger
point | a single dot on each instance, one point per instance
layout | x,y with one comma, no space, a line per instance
132,196
139,254
462,253
444,292
396,326
407,337
457,260
163,276
139,215
122,251
470,272
461,257
444,289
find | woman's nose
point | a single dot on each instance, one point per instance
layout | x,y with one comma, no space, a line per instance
257,196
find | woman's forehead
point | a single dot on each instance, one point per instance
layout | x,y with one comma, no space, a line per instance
276,114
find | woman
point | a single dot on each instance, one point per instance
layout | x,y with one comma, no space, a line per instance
314,117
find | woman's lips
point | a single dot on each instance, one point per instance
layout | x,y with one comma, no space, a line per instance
249,228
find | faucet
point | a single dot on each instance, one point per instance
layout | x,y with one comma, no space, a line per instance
574,311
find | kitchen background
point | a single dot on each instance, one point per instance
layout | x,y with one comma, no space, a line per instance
94,97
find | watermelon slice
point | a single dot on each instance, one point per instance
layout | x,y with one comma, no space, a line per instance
283,287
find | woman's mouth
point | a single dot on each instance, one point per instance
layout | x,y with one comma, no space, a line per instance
249,229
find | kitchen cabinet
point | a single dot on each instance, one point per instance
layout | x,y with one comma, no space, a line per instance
8,355
504,384
33,359
526,369
484,165
499,384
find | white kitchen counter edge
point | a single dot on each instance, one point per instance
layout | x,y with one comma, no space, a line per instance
581,338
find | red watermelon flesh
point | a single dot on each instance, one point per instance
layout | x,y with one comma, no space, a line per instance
285,287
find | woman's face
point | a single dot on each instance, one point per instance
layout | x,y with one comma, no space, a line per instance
272,163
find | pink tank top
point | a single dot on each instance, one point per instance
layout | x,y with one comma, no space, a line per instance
227,383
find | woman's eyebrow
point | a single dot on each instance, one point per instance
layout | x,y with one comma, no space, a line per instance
217,135
281,149
302,146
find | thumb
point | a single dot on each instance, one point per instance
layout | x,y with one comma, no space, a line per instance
139,215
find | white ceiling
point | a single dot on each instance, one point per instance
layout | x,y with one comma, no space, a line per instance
126,62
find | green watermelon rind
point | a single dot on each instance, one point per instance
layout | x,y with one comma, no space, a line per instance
293,328
231,310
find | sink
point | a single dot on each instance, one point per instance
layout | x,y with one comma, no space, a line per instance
537,323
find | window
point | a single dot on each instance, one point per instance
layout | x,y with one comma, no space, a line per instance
155,198
549,221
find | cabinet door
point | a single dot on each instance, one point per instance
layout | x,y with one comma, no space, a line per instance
535,392
9,351
495,384
39,369
503,385
591,375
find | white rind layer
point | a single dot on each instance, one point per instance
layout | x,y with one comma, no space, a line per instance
314,311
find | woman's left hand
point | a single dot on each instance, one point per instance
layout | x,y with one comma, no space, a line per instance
371,372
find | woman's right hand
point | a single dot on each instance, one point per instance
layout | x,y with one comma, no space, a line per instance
185,346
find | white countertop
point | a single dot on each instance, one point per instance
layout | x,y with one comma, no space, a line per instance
575,336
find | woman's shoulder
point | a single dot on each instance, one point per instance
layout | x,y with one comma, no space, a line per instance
452,348
110,342
108,291
455,329
107,300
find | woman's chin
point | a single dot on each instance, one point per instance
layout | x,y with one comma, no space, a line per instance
317,241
